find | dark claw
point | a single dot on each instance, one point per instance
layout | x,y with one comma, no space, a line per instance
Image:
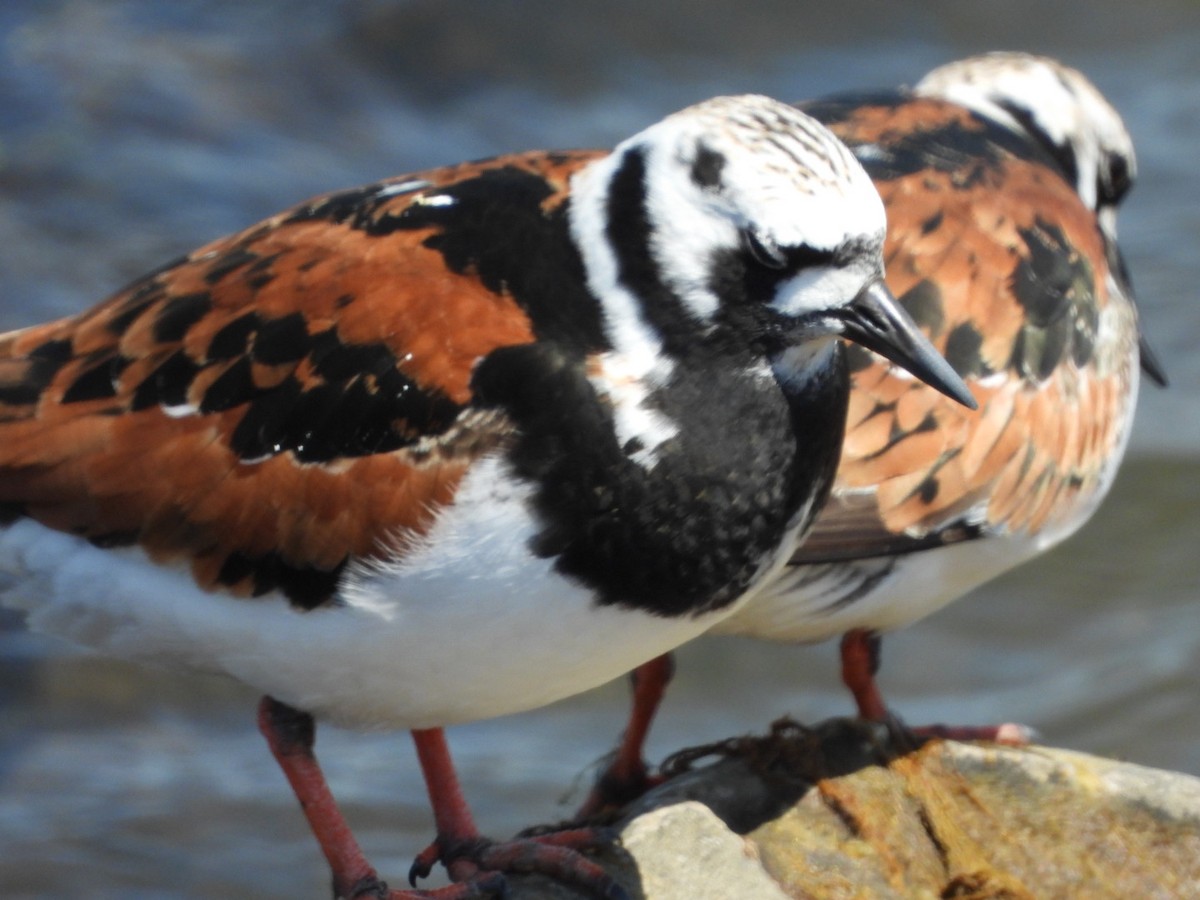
422,866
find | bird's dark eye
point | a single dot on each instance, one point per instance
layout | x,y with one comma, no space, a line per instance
764,251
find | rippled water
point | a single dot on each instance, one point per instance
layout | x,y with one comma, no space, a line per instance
132,131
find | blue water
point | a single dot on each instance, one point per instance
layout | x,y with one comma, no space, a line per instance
133,131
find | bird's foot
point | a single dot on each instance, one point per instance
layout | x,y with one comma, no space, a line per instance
904,738
860,652
1011,734
479,861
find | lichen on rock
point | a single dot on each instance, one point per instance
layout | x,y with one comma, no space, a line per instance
839,811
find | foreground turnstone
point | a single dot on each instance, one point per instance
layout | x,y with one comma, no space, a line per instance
1001,175
456,444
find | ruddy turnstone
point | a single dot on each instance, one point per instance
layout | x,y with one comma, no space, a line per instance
456,444
1001,175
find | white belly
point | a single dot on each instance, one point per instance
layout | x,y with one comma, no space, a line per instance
466,626
817,602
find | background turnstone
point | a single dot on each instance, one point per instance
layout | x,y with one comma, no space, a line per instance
458,443
1001,175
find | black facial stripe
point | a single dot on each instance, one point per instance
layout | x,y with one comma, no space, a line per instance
1063,154
745,286
805,256
628,232
847,251
787,261
744,289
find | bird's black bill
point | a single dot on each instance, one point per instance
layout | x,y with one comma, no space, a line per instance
1146,355
875,320
1150,364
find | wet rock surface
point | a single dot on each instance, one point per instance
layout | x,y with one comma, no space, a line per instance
839,811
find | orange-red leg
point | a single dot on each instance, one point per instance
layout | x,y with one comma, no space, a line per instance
861,652
475,863
290,735
627,777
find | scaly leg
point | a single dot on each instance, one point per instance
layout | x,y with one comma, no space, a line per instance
861,651
475,863
626,777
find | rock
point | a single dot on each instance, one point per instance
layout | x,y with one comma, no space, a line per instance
837,812
684,850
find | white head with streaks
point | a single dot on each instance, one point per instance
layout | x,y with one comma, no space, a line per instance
1057,106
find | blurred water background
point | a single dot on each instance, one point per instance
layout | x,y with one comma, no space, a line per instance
134,130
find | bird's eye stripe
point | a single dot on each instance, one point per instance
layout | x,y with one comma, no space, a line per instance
770,255
764,251
804,256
